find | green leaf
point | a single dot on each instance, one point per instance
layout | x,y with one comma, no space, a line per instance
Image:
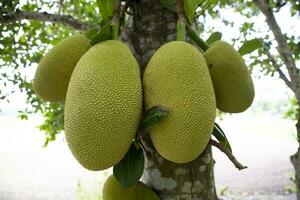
221,137
91,32
23,117
214,37
102,34
152,117
250,46
190,7
106,8
130,169
169,4
213,2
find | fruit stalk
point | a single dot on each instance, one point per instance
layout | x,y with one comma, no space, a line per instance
231,157
194,36
115,22
181,22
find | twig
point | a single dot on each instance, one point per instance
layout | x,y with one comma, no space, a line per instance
115,23
236,163
283,48
43,16
181,22
180,11
280,72
123,11
194,36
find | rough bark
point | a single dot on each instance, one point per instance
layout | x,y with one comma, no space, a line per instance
295,159
150,27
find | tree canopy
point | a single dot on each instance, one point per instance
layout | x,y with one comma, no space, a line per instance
28,28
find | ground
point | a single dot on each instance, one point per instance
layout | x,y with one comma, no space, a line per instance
30,172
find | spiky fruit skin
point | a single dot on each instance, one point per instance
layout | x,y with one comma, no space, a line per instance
103,105
55,68
232,81
112,190
177,78
143,192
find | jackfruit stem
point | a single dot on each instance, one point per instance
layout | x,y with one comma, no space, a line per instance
181,22
180,29
115,22
195,37
231,157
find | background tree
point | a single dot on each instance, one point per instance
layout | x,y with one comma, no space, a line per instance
27,31
279,50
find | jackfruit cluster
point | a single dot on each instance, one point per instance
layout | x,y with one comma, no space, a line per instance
102,89
102,95
113,190
192,85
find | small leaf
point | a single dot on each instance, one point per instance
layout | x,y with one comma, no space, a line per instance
130,169
102,34
169,4
152,117
213,2
221,137
214,37
23,117
190,7
106,8
91,32
250,46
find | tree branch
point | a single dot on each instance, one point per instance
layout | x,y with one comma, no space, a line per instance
280,72
236,163
44,16
283,48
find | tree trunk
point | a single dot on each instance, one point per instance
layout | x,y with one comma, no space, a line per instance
295,159
286,55
150,27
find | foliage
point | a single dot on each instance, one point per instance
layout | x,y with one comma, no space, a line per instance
130,169
214,37
292,111
22,44
106,8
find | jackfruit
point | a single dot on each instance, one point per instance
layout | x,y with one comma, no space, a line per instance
103,105
113,190
232,81
55,68
177,78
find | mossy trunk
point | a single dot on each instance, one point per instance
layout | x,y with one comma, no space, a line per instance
150,27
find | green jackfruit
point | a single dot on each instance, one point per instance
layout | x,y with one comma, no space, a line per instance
55,68
177,78
231,79
113,190
103,105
